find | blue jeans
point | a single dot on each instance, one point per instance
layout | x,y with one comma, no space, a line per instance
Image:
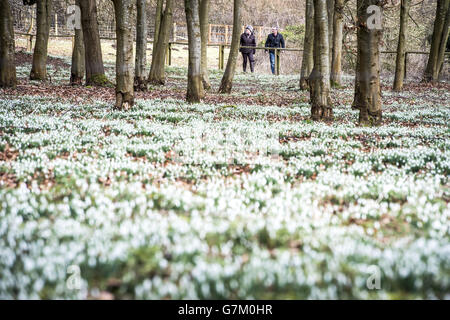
272,61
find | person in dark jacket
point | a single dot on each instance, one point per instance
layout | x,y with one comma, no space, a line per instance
248,40
274,40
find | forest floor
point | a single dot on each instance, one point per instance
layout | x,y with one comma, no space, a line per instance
241,196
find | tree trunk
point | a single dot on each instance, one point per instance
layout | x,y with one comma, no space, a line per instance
78,67
227,79
204,29
336,59
401,47
330,15
43,18
443,45
157,73
367,81
158,18
141,45
124,57
78,61
95,72
7,47
308,46
438,42
319,80
195,90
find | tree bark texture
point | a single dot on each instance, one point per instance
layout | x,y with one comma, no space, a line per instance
158,19
308,46
195,89
95,71
367,81
124,56
336,59
78,67
157,72
319,80
43,18
401,46
438,41
7,47
227,79
141,45
204,29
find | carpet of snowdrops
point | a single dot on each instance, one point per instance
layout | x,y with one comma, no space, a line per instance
170,200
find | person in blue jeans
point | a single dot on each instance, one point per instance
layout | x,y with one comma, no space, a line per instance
274,40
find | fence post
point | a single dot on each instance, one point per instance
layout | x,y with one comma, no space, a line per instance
56,23
174,32
209,34
167,54
170,53
406,62
277,61
226,33
30,43
221,56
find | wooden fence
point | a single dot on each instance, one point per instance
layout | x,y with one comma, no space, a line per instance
218,33
221,47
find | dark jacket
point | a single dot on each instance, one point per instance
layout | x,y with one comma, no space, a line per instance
275,42
248,41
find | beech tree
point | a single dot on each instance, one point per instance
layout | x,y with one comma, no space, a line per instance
308,46
438,41
157,73
330,16
319,80
78,63
336,59
195,89
124,57
141,45
401,46
158,18
43,19
95,71
7,47
204,30
367,97
227,78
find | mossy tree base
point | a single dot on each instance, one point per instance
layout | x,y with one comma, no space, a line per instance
99,80
336,84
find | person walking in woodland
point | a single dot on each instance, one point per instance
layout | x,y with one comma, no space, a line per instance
274,40
248,40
